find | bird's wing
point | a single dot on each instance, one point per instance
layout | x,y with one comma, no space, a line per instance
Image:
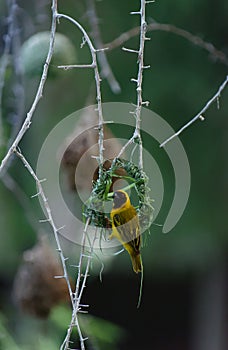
128,231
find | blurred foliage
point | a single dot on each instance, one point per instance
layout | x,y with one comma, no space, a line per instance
102,334
181,80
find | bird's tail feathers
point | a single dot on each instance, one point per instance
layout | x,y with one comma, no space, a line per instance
136,262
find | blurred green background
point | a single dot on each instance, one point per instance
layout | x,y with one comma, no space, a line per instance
185,303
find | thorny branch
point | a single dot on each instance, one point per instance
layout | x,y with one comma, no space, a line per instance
137,113
75,297
141,67
82,278
79,288
196,40
39,93
49,216
155,26
200,114
106,71
93,65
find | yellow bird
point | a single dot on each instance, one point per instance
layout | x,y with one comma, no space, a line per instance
125,227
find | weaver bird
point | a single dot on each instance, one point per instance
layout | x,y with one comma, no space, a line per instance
125,227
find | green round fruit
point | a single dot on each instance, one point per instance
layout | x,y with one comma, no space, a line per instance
34,53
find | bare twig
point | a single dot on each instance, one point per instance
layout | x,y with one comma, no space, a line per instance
200,114
141,67
77,66
5,59
127,144
74,297
137,113
39,93
196,40
50,219
93,65
79,288
106,71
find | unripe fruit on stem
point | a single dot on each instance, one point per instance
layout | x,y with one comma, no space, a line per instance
34,53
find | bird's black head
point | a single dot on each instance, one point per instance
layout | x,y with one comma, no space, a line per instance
119,199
